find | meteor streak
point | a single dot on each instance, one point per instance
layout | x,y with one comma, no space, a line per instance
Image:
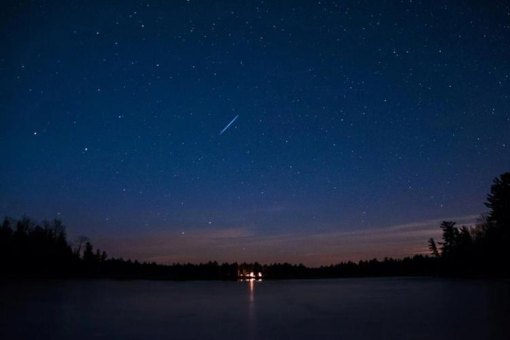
228,125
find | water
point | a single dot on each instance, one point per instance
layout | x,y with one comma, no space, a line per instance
386,308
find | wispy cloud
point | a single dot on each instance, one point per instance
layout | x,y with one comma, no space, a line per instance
308,247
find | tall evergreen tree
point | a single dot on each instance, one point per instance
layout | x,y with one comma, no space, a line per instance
498,201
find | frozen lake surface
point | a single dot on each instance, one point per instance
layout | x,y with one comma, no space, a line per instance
380,308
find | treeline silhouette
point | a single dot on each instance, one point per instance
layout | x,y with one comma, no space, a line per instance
41,250
29,249
483,249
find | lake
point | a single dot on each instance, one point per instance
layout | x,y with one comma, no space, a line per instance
365,308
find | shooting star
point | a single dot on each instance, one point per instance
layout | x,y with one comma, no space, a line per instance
228,125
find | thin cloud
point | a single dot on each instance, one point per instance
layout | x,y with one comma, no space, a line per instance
243,244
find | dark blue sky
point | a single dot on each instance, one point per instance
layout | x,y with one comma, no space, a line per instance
361,124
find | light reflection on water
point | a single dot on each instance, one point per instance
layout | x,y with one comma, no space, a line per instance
252,317
251,284
395,308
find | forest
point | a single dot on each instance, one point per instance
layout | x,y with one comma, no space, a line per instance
29,249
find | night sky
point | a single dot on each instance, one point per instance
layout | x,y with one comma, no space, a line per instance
360,125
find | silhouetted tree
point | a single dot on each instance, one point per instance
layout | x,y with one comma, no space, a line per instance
433,247
450,238
79,243
88,253
496,246
498,201
484,249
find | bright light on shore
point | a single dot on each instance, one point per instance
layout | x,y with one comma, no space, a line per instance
242,275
